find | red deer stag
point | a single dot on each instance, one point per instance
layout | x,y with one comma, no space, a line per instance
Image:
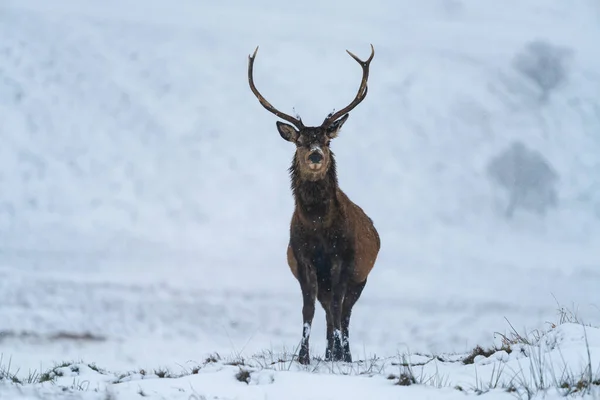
333,243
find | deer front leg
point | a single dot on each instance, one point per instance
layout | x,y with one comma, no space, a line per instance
324,297
339,283
336,314
308,284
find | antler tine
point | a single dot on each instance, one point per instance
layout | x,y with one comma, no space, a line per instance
362,90
297,122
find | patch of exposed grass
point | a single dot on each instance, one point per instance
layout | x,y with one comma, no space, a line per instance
10,377
582,384
5,372
163,373
33,377
243,375
212,358
236,362
405,363
94,367
47,376
510,388
515,338
478,351
122,376
567,315
406,379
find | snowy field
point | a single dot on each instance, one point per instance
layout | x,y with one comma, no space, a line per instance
145,201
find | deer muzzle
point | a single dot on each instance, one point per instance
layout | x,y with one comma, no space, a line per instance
315,157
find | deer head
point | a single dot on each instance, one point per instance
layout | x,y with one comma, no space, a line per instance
313,155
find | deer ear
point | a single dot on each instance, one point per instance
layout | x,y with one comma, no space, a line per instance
333,130
287,131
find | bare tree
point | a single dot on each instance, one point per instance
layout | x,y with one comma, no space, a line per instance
527,177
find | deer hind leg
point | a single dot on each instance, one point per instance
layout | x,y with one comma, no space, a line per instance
352,295
308,284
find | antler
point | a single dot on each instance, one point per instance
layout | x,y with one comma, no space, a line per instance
296,121
362,90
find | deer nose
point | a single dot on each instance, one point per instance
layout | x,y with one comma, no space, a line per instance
315,157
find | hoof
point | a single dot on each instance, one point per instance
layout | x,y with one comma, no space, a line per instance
303,357
338,355
328,354
304,360
338,351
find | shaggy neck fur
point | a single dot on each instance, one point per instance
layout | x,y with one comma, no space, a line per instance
315,199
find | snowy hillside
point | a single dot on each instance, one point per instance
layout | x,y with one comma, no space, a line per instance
145,195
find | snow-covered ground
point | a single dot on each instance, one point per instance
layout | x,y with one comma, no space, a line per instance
144,193
556,364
